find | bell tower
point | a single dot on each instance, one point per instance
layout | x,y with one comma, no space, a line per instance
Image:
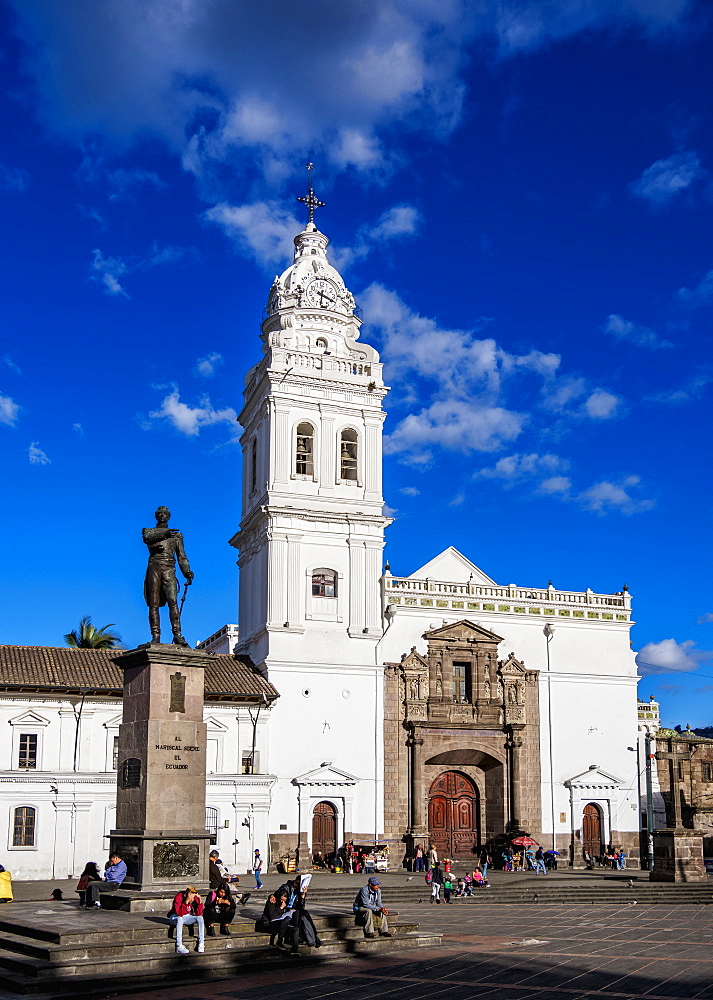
310,541
312,530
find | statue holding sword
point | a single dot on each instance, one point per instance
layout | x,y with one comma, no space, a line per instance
165,546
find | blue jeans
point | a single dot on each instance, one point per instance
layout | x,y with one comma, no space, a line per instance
258,880
485,869
186,921
540,867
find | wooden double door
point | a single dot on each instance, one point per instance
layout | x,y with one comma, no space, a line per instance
454,815
592,829
324,829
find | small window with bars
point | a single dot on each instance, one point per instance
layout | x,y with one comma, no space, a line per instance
324,583
115,754
27,758
23,827
211,823
304,450
706,771
679,770
249,762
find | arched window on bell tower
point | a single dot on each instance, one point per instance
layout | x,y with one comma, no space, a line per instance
349,455
304,450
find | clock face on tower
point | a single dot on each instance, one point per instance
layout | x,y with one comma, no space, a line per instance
321,293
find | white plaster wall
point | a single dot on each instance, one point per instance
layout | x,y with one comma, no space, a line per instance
339,722
75,810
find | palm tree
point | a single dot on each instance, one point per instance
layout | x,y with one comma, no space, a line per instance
89,637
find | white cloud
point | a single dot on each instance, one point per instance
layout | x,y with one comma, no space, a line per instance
555,485
36,455
701,294
195,74
206,366
387,511
123,182
705,619
108,270
605,497
410,491
602,405
564,394
514,468
78,428
689,392
635,333
664,180
454,425
9,411
669,656
13,179
190,420
264,230
7,360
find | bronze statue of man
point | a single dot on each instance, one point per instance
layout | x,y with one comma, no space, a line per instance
160,588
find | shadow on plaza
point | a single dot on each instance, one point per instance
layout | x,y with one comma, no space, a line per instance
508,977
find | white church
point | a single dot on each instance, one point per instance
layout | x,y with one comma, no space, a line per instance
442,707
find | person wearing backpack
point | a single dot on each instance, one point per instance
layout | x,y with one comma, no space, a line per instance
447,887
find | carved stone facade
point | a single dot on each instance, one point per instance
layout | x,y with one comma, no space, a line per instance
461,743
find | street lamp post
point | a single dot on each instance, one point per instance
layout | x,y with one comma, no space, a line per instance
548,633
649,803
638,784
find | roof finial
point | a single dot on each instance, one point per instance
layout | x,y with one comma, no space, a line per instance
310,201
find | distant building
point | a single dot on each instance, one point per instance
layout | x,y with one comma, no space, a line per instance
60,711
694,777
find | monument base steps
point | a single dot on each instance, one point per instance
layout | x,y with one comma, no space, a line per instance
67,950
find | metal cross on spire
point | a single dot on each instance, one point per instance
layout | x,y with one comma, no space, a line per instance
311,201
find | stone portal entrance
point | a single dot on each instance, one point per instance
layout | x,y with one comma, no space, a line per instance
592,829
324,829
454,815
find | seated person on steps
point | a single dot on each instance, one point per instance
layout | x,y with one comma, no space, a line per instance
369,910
219,909
187,909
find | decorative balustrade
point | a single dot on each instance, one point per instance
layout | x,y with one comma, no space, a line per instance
323,363
469,597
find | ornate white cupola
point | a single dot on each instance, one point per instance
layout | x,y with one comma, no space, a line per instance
312,528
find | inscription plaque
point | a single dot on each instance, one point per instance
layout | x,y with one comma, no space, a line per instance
178,693
131,773
174,860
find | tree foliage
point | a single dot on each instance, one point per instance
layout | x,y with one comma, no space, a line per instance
89,637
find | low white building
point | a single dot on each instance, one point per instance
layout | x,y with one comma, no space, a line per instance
60,711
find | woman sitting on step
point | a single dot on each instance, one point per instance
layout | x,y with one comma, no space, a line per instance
219,909
91,873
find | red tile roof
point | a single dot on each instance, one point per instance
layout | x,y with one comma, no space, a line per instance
228,677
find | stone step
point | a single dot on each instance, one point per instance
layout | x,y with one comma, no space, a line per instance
72,952
27,974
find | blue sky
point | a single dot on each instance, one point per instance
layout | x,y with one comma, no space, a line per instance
519,194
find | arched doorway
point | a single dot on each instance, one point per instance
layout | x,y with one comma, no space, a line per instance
592,829
324,829
454,815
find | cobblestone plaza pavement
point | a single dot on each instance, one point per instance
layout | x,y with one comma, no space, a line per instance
503,952
529,951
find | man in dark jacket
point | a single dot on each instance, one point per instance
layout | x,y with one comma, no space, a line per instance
369,910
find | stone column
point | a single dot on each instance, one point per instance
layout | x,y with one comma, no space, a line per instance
415,744
295,581
161,778
327,454
515,749
373,597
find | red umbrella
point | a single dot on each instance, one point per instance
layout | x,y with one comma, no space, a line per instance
524,842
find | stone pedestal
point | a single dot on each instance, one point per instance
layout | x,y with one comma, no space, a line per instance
161,779
678,856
